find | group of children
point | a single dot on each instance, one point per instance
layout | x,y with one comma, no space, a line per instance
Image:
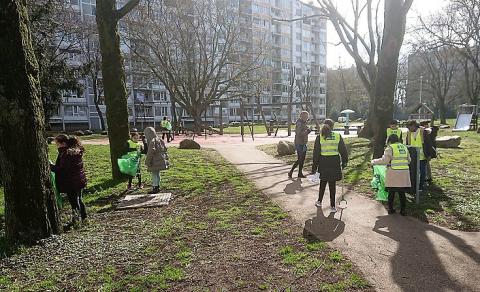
156,156
330,157
70,173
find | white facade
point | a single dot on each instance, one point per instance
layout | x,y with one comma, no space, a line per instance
295,47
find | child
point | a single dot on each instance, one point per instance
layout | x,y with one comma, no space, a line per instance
157,158
134,146
394,130
397,179
70,174
330,156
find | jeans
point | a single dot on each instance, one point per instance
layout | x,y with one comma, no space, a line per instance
423,173
155,178
332,187
301,154
391,199
75,199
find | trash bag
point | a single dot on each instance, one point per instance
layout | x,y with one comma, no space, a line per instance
378,182
128,163
57,194
314,178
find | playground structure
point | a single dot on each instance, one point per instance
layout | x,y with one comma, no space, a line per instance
467,118
422,113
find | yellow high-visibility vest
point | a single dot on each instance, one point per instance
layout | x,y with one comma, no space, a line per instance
400,157
416,140
329,145
397,132
133,146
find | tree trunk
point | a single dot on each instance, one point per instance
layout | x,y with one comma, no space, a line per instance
95,101
30,206
113,81
441,110
393,33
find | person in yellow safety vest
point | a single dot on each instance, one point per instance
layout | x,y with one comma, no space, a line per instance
329,158
393,129
134,145
397,178
166,128
418,137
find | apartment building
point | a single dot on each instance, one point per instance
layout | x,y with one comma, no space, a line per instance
296,50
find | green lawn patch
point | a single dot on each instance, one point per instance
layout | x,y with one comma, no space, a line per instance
219,232
452,201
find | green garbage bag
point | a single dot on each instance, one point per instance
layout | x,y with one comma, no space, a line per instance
57,194
378,182
128,163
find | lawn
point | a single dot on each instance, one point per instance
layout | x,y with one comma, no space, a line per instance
454,198
219,233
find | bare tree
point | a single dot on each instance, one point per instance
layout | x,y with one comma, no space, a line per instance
113,73
458,27
375,54
195,49
30,207
438,67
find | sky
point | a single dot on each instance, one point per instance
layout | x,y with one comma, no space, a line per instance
337,54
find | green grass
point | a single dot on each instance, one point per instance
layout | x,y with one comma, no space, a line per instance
215,226
453,200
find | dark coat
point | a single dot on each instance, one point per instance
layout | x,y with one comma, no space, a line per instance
69,172
428,143
329,167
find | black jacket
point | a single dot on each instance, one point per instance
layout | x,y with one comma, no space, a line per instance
329,167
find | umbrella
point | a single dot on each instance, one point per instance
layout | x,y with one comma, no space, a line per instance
347,112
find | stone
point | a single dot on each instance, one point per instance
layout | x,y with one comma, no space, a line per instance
88,132
104,133
448,141
444,126
189,144
79,133
50,140
144,201
285,148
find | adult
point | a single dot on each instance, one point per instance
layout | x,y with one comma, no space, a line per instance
397,179
157,158
301,140
418,137
70,175
329,158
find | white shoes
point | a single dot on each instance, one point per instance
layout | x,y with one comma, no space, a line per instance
318,204
333,210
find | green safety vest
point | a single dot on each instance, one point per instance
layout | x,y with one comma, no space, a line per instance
397,132
133,146
400,157
329,145
416,141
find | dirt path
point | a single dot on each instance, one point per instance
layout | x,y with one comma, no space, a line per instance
395,253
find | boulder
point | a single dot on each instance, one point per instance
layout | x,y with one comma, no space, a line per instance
448,141
79,133
104,133
189,144
444,126
50,140
88,132
285,148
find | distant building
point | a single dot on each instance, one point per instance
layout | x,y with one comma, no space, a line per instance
298,47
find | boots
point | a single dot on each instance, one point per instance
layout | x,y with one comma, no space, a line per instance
155,190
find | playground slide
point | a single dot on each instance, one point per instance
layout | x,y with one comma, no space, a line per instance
463,122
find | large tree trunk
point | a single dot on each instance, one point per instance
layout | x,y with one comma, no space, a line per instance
113,81
368,130
442,110
30,207
393,33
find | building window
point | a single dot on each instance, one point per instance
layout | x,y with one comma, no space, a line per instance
322,90
161,111
75,111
